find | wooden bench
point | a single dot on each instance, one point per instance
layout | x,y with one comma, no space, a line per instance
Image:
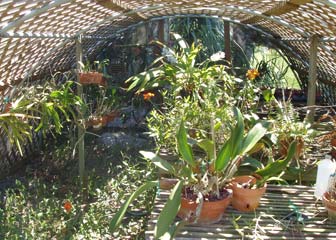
285,212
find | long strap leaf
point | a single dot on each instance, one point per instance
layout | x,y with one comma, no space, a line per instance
115,222
278,166
169,211
183,146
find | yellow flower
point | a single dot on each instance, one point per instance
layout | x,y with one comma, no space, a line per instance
147,96
252,74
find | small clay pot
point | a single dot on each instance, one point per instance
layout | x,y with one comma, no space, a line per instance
97,123
329,205
211,212
112,115
246,199
92,78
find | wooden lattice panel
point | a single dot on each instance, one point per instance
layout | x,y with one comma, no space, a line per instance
57,19
313,18
276,218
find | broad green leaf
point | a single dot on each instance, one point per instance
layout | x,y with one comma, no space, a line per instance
224,157
237,134
278,166
208,146
169,211
252,138
183,146
268,94
116,220
252,162
173,230
161,163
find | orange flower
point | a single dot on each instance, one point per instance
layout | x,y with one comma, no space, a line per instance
67,206
252,74
148,96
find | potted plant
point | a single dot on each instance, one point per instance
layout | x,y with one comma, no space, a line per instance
329,198
103,105
93,74
248,189
201,194
329,134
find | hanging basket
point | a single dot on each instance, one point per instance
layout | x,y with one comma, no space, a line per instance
92,78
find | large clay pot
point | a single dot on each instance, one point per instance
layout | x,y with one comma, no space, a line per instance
211,212
329,205
245,199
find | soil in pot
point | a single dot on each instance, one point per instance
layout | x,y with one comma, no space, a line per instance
212,210
244,198
330,205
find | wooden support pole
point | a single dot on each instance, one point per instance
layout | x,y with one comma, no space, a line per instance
81,129
311,98
161,31
227,42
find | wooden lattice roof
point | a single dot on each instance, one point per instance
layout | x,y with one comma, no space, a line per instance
38,35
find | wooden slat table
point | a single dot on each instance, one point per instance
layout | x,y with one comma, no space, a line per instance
276,218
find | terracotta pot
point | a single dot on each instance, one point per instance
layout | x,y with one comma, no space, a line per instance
7,107
97,123
329,205
333,145
112,115
104,120
211,212
92,78
246,199
168,183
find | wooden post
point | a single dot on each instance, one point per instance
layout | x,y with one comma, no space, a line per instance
81,129
311,98
161,31
227,42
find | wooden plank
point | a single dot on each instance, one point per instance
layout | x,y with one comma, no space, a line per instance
275,206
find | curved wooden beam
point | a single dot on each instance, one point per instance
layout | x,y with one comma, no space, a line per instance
282,8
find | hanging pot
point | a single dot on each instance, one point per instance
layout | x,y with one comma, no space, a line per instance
211,212
244,198
92,78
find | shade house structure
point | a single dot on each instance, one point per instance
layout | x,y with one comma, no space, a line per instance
41,38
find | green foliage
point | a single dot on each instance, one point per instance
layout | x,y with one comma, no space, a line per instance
34,208
274,69
121,212
96,66
16,129
169,211
43,108
274,168
183,146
